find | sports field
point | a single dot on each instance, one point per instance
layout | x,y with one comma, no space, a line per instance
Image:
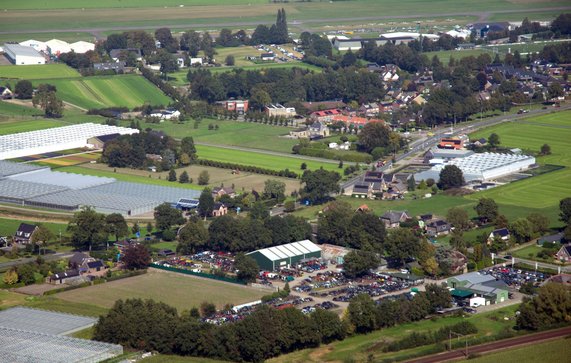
274,162
178,290
543,191
109,91
43,71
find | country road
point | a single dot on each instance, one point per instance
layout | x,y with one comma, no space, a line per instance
300,23
490,347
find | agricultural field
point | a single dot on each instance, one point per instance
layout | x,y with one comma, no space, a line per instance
268,161
552,351
528,136
234,133
12,109
243,181
523,48
45,71
178,290
30,16
67,160
12,127
360,347
9,226
109,91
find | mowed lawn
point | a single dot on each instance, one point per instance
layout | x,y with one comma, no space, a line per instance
109,91
40,71
13,109
543,191
552,351
273,162
178,290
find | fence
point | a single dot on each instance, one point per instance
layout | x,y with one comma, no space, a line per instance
200,274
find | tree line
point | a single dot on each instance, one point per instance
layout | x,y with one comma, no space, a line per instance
267,332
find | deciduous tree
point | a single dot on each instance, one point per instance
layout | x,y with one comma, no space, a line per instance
167,216
87,228
136,257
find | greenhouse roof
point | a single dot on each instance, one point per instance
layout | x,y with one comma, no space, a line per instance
43,321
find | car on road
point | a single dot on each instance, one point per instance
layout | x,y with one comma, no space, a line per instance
507,257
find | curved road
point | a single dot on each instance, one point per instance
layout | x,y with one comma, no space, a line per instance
482,16
502,344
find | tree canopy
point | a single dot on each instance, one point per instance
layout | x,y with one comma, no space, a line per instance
451,177
319,185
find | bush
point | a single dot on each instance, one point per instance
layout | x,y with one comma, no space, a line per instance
168,235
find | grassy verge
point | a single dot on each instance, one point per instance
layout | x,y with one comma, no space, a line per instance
552,351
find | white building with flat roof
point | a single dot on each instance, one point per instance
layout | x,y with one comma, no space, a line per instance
482,166
22,55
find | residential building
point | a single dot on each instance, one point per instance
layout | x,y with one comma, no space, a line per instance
119,54
564,254
362,190
280,111
437,228
318,129
78,259
217,192
5,92
24,233
502,233
65,277
553,238
118,67
300,133
325,116
239,106
21,55
393,219
220,209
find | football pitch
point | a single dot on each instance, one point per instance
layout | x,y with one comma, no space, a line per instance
178,290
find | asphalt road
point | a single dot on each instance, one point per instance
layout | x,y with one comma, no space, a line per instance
482,16
21,261
499,345
425,144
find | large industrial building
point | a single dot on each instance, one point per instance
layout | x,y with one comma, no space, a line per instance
32,335
55,139
284,256
22,55
481,166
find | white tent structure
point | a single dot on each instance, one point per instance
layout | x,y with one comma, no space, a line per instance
57,47
36,44
82,47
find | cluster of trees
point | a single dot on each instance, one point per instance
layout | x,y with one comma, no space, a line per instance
526,27
283,85
131,150
267,332
315,45
90,229
559,52
276,34
319,185
167,88
45,97
377,139
28,273
365,315
136,39
235,234
404,56
565,216
419,339
550,307
451,177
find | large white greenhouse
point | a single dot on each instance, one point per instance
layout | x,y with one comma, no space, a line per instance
56,139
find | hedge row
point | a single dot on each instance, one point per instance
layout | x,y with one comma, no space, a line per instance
248,168
162,85
328,154
419,339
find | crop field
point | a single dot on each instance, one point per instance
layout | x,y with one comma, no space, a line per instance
12,127
109,91
65,160
178,290
31,15
14,109
44,71
9,226
544,191
273,162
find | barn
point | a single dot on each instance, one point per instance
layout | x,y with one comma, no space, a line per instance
22,55
288,255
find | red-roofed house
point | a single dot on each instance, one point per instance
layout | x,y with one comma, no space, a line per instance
355,121
325,115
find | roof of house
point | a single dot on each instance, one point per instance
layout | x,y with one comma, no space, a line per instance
502,232
361,188
552,238
27,228
115,53
394,216
65,274
566,249
95,264
219,205
438,223
78,258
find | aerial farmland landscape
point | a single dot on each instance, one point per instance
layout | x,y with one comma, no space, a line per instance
285,181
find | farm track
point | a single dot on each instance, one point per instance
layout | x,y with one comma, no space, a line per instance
97,31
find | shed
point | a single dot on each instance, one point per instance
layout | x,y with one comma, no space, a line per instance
287,255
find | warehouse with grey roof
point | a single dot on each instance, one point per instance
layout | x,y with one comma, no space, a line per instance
284,256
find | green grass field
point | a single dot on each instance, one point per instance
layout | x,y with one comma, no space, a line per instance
552,351
13,127
274,162
9,226
445,55
246,134
543,191
8,109
178,290
109,91
47,71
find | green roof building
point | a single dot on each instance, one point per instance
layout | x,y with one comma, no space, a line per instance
288,255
